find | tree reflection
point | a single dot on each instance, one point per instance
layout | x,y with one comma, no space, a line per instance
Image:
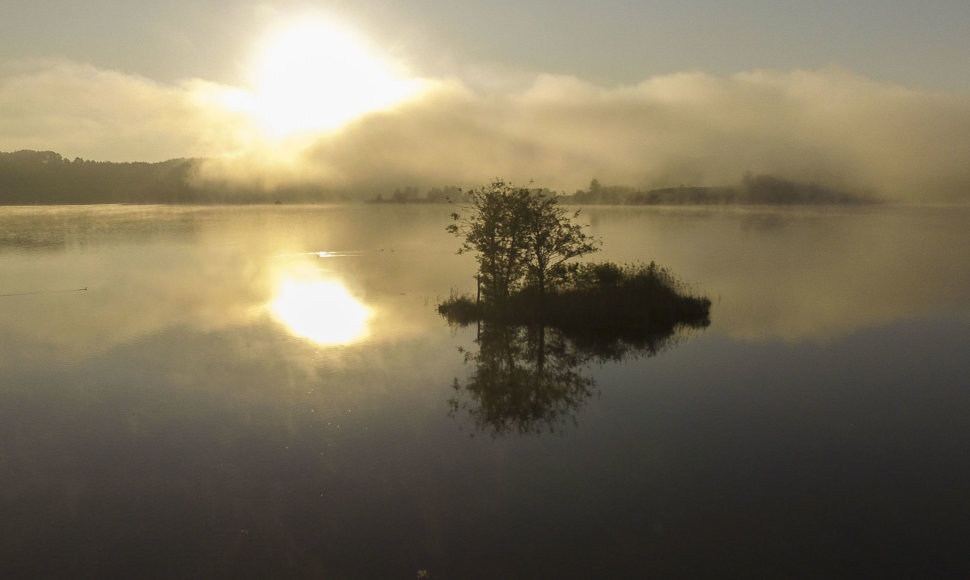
533,345
532,379
525,380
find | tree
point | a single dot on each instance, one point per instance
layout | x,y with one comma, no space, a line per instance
518,234
492,227
553,239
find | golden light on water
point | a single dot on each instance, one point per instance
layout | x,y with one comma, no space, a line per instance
320,310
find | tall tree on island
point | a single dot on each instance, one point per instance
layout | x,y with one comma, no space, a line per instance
521,237
553,239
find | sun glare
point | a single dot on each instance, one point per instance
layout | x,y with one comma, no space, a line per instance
316,76
320,310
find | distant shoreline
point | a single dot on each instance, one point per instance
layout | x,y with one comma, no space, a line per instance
36,178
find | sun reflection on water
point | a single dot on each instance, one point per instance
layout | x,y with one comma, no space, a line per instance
320,310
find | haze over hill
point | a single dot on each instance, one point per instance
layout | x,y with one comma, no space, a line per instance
45,177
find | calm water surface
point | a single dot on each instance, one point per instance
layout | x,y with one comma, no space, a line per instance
269,392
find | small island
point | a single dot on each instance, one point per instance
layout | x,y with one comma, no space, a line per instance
542,316
525,245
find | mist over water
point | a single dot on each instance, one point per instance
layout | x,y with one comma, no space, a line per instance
161,417
804,274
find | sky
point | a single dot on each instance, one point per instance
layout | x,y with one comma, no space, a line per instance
865,95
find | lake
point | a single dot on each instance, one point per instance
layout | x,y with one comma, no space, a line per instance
269,392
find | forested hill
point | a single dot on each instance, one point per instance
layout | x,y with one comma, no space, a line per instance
45,177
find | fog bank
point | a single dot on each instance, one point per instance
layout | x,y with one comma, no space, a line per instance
827,126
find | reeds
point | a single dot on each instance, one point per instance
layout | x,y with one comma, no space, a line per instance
597,298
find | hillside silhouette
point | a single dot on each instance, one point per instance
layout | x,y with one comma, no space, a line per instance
47,178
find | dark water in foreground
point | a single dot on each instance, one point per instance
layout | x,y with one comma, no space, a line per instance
268,392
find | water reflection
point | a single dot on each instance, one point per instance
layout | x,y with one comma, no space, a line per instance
525,380
532,379
320,310
796,274
158,422
791,274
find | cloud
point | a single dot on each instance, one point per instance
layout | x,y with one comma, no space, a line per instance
81,110
828,126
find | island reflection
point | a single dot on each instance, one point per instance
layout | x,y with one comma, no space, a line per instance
531,379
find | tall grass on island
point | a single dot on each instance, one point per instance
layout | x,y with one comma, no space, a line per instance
597,299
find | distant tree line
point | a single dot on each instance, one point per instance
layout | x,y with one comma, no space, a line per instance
753,189
446,194
411,194
45,177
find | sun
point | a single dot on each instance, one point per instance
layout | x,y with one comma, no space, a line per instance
315,75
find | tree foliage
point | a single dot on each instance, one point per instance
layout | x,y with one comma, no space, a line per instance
520,237
552,239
